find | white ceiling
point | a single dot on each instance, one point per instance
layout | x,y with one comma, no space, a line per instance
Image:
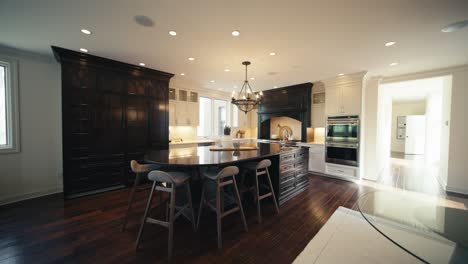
313,39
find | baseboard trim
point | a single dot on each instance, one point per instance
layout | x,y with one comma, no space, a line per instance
26,196
456,190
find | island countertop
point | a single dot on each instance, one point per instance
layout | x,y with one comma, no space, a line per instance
203,156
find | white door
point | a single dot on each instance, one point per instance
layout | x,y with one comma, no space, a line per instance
415,134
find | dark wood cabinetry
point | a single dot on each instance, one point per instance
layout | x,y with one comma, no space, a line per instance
293,173
112,112
291,101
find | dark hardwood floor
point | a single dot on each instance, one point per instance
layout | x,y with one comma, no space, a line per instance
88,229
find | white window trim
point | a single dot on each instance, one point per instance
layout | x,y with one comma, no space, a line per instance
12,106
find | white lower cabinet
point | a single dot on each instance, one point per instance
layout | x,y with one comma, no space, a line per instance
342,171
317,158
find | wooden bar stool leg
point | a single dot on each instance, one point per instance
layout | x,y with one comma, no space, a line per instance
257,197
189,197
171,223
202,200
272,191
239,203
130,202
218,214
148,206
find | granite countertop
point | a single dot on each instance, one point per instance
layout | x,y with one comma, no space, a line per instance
200,156
197,141
312,143
193,141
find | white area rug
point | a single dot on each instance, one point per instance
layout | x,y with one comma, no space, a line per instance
348,238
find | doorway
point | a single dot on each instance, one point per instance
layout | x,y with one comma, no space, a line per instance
412,133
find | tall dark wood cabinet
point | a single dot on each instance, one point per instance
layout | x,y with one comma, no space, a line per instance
112,112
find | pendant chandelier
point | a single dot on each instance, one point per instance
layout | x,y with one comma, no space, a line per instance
247,99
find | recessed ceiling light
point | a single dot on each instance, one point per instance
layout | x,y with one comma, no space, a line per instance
455,26
191,58
394,64
340,74
252,78
227,70
83,50
141,64
172,33
183,74
212,81
391,43
272,53
275,86
236,33
86,31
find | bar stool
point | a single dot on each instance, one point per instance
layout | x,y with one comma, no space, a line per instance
260,168
222,178
140,171
172,180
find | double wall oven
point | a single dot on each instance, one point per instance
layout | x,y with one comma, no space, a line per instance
342,140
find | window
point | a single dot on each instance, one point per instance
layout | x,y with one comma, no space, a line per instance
214,115
8,111
235,116
205,124
220,116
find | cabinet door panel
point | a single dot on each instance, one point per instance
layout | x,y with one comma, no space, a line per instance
333,101
108,132
318,116
351,99
137,123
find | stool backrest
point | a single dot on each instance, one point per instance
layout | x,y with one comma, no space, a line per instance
142,168
264,164
228,171
160,176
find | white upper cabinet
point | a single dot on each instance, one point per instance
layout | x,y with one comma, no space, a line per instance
183,108
333,101
343,95
318,117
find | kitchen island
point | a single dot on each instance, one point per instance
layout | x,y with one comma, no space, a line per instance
289,169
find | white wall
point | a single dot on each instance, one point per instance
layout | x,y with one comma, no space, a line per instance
457,177
37,169
403,109
370,167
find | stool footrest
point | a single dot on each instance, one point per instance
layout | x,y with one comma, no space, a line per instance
158,222
261,197
228,212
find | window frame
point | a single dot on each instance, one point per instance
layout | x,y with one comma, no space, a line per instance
11,106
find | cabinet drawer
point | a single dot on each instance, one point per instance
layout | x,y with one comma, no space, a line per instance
287,187
302,171
301,155
342,171
286,157
301,163
301,182
286,167
317,149
286,175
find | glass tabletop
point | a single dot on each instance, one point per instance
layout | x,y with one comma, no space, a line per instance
430,228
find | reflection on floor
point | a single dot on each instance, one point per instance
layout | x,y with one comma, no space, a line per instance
411,173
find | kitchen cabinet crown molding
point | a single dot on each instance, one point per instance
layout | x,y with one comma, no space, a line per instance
70,56
345,79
